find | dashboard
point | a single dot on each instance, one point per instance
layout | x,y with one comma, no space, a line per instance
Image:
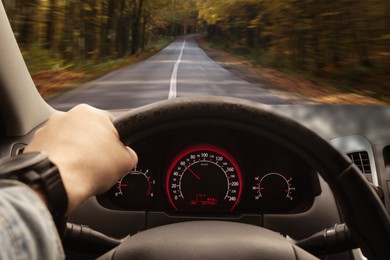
214,171
220,173
128,209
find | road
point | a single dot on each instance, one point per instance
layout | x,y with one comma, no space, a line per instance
181,69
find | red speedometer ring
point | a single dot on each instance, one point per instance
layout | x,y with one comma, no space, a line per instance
204,178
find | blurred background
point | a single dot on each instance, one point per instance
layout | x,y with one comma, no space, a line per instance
342,43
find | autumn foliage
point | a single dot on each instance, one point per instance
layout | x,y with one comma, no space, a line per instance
347,41
344,41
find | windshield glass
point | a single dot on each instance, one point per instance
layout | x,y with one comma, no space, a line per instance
118,54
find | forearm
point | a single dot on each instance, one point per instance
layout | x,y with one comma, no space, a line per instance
27,228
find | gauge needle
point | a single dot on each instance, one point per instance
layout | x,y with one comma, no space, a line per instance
193,173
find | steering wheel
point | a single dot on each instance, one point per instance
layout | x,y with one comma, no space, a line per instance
360,207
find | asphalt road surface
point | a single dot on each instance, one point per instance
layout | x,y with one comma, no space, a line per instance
181,69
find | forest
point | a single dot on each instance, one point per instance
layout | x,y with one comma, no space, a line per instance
97,28
347,40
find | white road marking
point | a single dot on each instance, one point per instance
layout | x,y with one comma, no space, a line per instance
173,85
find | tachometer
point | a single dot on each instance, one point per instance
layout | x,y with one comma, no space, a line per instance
204,178
135,189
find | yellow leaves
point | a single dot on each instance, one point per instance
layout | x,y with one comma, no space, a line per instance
229,13
336,13
163,13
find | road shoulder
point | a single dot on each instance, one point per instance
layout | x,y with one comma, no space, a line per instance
290,88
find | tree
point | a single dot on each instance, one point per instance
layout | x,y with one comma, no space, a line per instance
51,18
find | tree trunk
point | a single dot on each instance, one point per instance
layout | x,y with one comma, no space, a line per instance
107,30
27,28
67,40
138,4
50,26
120,30
89,22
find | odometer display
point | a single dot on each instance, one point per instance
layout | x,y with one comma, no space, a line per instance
204,178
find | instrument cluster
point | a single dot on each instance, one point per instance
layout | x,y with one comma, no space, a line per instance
215,173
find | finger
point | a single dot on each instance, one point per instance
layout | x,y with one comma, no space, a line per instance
108,114
85,108
133,158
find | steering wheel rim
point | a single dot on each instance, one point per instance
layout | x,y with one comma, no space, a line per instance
354,195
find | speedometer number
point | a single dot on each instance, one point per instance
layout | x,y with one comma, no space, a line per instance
204,178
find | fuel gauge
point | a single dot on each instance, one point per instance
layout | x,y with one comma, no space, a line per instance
274,187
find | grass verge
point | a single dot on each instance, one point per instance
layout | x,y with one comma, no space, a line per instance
52,76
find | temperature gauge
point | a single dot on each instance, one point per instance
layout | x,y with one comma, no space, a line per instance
135,189
273,187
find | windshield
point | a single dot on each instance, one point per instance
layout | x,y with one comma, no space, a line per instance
119,54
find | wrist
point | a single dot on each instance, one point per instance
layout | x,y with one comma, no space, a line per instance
35,170
73,183
41,194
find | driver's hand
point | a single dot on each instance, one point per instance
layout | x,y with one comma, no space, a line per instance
85,146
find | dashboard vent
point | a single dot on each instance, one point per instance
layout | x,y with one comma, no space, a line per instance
361,160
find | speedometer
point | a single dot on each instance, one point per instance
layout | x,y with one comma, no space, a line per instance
204,178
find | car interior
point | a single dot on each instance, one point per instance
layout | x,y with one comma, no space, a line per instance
224,178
